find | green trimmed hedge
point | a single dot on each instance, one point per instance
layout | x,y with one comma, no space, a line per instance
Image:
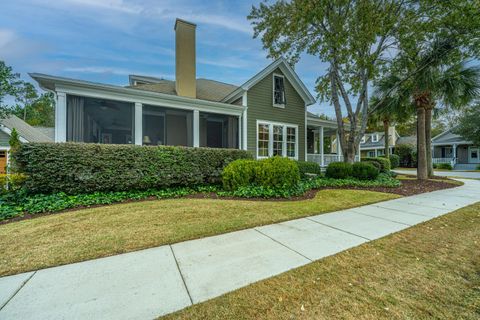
383,162
85,168
364,171
339,170
394,161
307,168
275,172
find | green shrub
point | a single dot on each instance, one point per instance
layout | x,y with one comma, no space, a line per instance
277,172
384,163
239,173
84,168
364,171
339,170
445,166
375,164
435,166
407,155
11,182
394,161
307,168
478,167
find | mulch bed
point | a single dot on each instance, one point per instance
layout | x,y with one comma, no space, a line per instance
408,188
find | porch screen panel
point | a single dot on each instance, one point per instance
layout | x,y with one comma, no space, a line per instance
167,126
99,120
218,131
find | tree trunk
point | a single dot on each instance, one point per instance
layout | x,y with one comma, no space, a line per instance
349,154
428,141
422,173
386,126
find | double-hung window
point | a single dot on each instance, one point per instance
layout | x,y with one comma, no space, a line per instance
277,139
278,91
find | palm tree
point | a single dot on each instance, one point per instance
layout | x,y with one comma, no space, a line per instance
439,81
395,107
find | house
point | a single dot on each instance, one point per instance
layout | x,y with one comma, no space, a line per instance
373,144
451,148
26,133
266,115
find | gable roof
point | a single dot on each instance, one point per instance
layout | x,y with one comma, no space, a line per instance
26,131
288,72
207,89
449,137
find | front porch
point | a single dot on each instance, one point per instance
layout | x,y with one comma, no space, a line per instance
323,143
456,155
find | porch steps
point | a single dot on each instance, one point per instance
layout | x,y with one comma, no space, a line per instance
465,166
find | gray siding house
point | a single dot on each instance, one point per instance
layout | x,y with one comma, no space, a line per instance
449,147
266,115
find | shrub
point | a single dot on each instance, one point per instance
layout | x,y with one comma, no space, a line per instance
478,167
364,171
339,170
383,162
277,172
11,182
239,173
308,167
406,154
435,166
375,164
394,161
445,166
85,168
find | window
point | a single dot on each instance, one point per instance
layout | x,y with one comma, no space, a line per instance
374,137
278,91
276,139
263,134
371,154
363,139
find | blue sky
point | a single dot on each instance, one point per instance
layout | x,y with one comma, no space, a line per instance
105,40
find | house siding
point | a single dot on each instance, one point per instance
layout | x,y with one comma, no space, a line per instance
260,107
4,138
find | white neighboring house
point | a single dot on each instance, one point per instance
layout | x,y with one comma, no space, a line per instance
449,147
26,132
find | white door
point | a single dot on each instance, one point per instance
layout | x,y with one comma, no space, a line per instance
473,155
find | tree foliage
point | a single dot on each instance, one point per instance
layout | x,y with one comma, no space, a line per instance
469,125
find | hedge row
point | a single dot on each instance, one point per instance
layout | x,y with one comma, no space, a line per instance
84,168
358,170
383,163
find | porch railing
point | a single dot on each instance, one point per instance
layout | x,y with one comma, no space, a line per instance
327,158
451,161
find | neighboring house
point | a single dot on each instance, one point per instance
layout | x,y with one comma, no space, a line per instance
26,132
373,144
449,147
266,115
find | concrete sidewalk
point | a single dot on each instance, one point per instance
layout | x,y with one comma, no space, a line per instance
153,282
452,173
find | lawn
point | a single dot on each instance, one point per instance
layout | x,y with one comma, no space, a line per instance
98,232
430,271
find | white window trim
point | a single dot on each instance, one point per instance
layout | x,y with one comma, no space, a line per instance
374,137
363,139
273,91
270,138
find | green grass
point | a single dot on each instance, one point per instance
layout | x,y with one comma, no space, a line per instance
430,271
97,232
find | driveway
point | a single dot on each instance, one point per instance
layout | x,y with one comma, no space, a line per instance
453,173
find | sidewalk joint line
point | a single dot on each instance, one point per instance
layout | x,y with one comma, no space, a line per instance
283,244
327,225
378,205
181,275
385,219
16,291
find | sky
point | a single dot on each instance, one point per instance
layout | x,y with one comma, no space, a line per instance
106,40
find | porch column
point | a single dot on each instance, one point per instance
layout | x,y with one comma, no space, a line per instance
138,124
338,147
454,154
359,153
61,118
376,153
196,128
244,129
322,160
